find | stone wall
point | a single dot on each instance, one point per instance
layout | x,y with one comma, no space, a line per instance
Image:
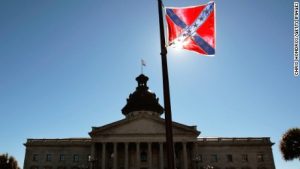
57,153
234,153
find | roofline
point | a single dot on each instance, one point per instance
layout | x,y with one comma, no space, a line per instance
189,128
235,140
58,141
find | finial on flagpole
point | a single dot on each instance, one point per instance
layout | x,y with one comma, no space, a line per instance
143,63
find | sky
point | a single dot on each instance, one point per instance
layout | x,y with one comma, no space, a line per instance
66,66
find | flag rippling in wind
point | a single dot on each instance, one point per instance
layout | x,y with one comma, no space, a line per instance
192,28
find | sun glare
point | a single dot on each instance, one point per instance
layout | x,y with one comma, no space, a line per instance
179,45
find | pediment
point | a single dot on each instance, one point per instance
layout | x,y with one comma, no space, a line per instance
143,126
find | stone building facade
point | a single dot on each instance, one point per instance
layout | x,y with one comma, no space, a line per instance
138,142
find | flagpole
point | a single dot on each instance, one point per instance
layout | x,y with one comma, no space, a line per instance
142,68
166,90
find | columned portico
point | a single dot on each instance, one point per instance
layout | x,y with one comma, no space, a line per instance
117,155
138,140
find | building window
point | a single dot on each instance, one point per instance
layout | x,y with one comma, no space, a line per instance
143,156
76,158
214,158
229,158
62,157
176,155
35,157
244,158
260,157
48,157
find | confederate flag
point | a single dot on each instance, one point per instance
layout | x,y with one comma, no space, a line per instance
192,28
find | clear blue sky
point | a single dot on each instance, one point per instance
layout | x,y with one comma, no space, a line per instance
68,65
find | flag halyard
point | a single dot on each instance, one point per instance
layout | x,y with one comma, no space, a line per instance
192,28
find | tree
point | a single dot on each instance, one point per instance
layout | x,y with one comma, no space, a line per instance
8,162
290,144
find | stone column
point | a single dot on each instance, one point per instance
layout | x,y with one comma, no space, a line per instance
92,156
149,155
194,155
161,155
126,156
103,155
138,155
115,160
185,164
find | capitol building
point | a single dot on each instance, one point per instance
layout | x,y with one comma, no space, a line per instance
138,142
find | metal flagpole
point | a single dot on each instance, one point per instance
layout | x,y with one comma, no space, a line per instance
167,102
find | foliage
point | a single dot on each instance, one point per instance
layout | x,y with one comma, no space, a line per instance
290,144
8,162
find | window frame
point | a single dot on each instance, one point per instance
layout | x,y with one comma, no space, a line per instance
214,158
48,157
35,158
62,157
75,158
229,158
144,156
245,158
260,157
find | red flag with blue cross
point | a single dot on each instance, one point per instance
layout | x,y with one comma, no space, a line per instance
192,28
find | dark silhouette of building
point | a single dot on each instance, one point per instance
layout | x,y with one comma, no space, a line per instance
138,142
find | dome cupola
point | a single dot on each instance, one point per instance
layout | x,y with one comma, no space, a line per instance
142,100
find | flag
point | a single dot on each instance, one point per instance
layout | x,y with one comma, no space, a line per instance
143,62
192,28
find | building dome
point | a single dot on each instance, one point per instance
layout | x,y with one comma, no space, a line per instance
142,99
